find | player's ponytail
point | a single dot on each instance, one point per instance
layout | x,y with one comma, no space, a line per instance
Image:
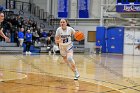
67,22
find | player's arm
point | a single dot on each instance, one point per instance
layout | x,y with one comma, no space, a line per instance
57,37
73,31
3,35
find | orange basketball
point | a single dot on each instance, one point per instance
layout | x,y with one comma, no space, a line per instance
79,35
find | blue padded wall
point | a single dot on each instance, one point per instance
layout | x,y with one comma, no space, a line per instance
32,49
115,39
100,35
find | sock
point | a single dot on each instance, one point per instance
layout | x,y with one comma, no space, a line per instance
76,72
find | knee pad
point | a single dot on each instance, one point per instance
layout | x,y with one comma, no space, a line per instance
70,59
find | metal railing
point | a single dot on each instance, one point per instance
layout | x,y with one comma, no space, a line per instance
33,10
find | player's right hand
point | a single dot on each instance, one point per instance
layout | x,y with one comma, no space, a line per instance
7,39
57,39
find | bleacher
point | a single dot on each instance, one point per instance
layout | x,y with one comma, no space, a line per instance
10,48
79,47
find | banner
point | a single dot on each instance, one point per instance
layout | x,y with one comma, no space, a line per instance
128,8
12,4
83,7
131,6
63,8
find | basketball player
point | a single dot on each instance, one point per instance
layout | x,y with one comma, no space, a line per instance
1,31
63,38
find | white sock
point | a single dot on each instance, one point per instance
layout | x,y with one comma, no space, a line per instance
76,72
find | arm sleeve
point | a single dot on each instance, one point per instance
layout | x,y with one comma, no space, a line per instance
72,30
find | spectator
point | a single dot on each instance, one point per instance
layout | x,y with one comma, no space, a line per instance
1,8
98,47
44,37
50,38
21,37
35,36
28,41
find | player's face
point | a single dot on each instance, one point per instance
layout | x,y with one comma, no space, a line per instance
1,17
63,23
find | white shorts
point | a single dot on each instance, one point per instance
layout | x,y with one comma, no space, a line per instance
64,49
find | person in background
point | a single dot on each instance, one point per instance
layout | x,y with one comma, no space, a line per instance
21,37
50,37
28,41
35,36
98,47
44,37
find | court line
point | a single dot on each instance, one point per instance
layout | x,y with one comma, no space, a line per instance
35,67
129,88
3,80
41,71
34,84
113,72
107,68
51,74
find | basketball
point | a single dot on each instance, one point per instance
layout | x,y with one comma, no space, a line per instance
79,35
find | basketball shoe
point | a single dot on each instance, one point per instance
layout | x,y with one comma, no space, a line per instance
77,75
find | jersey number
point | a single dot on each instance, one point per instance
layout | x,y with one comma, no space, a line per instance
65,40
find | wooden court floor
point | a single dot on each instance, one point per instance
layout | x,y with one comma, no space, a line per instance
106,73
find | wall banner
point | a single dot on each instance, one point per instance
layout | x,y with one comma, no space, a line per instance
83,8
63,8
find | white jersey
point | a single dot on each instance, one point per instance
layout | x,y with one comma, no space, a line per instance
65,35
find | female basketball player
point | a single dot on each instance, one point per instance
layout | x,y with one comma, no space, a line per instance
63,38
1,31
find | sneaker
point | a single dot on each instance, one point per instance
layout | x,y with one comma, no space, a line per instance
26,52
49,52
29,52
76,77
54,53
